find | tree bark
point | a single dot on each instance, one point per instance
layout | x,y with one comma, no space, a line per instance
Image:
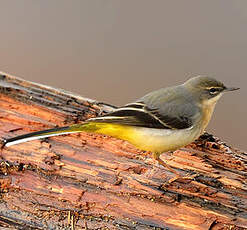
90,181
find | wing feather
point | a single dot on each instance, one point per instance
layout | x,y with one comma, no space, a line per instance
134,115
139,114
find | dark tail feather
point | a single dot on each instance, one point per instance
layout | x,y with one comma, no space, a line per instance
41,134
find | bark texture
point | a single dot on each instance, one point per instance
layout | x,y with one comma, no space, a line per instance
89,181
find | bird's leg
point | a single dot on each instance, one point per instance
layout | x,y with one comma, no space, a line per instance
156,156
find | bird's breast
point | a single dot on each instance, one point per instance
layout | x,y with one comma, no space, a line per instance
162,140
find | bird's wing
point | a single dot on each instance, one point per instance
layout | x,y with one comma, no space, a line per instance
133,114
148,112
173,117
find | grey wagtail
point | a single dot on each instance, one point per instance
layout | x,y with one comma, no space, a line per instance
163,120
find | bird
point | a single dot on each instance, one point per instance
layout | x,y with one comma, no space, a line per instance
163,120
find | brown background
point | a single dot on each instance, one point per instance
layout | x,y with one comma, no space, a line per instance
117,50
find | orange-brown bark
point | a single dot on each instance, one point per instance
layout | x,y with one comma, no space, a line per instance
93,181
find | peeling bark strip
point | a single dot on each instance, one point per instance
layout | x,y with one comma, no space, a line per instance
89,181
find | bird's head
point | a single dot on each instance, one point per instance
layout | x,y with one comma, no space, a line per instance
206,89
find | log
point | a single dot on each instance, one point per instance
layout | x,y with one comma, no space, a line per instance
92,181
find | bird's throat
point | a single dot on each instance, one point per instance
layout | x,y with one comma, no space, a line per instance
207,111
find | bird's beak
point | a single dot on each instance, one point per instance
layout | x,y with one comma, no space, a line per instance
230,89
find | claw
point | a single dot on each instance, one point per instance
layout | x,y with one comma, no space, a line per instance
178,177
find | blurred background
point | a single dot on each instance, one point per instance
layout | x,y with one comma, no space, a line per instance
116,51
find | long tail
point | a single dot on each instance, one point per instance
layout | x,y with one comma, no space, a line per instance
45,133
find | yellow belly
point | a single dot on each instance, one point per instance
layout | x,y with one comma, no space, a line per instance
149,139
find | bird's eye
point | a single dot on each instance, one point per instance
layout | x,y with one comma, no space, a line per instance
213,91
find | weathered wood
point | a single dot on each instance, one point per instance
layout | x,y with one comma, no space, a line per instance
89,181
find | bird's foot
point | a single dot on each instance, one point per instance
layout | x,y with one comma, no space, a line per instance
179,177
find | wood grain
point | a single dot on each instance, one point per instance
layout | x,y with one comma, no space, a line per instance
90,181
